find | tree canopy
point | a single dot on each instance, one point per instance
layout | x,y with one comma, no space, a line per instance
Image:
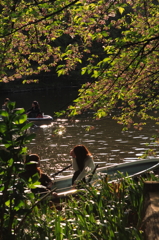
115,43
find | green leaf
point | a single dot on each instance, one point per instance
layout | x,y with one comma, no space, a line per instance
20,119
19,110
4,113
10,162
121,9
26,126
83,71
11,105
3,127
95,74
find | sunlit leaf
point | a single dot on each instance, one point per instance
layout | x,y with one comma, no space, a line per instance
3,127
121,10
20,119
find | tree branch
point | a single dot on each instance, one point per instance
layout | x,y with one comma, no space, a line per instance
43,18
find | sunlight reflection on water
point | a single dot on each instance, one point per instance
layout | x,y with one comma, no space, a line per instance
106,141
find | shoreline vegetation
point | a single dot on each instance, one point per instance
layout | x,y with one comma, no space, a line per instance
111,211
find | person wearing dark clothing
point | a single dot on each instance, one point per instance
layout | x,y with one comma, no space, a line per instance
4,106
33,171
34,111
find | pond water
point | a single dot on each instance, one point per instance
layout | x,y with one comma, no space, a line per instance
106,140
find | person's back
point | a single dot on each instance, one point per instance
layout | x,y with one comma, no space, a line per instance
88,167
82,163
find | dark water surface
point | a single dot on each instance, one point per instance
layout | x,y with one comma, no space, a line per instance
106,140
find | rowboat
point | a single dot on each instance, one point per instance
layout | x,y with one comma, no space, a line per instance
41,120
63,185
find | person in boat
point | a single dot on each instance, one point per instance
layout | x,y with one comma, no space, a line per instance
4,106
34,111
82,163
33,171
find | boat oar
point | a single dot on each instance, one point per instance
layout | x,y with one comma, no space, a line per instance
54,174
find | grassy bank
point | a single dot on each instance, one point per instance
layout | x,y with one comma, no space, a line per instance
107,211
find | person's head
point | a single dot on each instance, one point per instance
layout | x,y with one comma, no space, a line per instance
80,152
6,100
35,104
32,162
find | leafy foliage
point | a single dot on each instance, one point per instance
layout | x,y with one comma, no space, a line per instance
30,33
13,194
104,211
125,68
